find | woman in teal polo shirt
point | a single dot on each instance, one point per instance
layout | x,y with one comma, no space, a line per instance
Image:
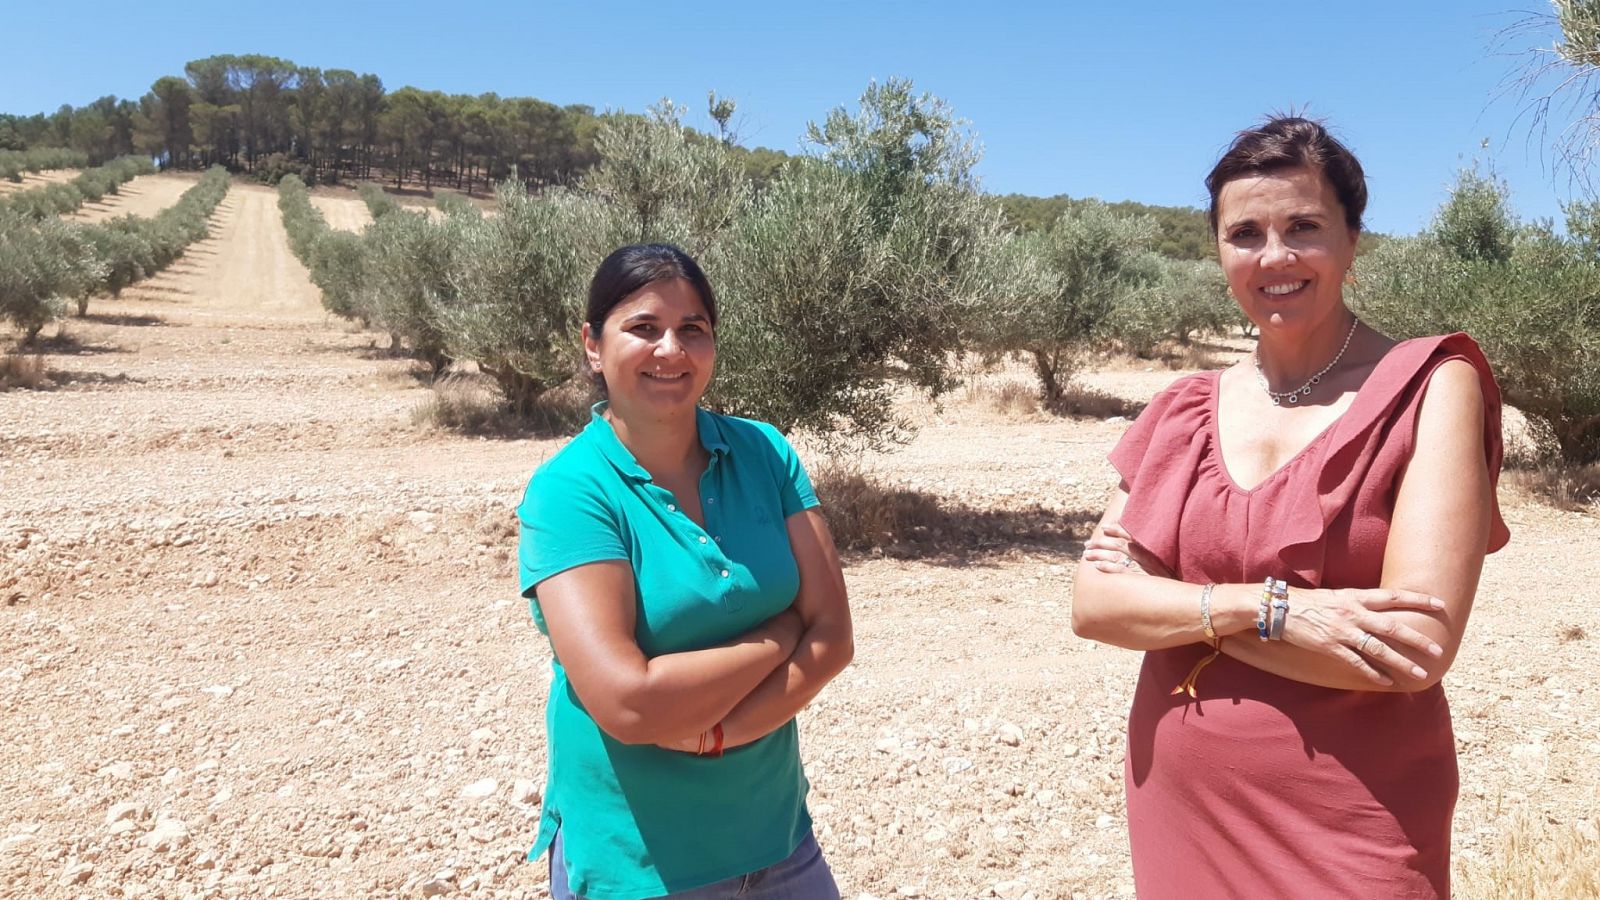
693,598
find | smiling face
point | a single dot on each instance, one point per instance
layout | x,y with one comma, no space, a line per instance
655,350
1285,248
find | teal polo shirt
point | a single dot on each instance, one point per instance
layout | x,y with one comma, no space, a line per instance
639,821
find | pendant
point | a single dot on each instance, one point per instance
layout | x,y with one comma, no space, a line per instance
1294,398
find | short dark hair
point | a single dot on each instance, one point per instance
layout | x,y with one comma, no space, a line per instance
633,267
1289,142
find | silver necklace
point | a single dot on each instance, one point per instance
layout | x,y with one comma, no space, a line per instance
1293,396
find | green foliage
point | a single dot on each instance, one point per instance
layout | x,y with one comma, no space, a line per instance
1188,298
1181,231
1533,303
1475,223
671,188
41,262
89,186
515,303
856,271
407,264
16,163
1088,265
379,203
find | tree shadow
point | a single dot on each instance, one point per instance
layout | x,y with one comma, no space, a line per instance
1079,402
127,320
868,518
65,343
59,378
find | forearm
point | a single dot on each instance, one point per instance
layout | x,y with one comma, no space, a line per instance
1146,612
1312,667
679,695
822,653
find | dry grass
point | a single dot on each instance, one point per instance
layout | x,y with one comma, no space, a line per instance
470,403
1078,400
866,514
1564,486
22,370
1538,860
1008,397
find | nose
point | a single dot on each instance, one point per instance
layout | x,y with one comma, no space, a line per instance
669,345
1276,253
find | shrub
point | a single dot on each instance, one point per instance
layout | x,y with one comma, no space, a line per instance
1189,298
666,186
1089,264
41,262
1534,305
379,204
515,303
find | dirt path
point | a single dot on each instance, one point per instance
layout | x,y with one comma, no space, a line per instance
346,213
144,196
261,633
31,180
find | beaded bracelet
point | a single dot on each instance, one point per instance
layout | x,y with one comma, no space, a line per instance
1205,610
1263,609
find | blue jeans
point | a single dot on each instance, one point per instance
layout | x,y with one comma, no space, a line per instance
803,876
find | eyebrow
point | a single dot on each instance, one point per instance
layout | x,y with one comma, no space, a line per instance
1293,216
652,317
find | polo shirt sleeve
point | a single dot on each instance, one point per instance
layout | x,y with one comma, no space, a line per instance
567,521
794,488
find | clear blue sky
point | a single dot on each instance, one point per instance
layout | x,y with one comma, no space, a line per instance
1115,100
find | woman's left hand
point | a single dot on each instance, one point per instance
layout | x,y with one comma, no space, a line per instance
1112,550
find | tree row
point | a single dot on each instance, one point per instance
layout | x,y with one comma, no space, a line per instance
47,263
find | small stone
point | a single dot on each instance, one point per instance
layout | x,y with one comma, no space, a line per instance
13,842
169,834
935,835
1009,734
122,827
954,764
481,736
525,791
121,811
1009,888
887,745
1104,820
436,887
480,789
117,771
77,873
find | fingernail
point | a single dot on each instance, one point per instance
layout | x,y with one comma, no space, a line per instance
1435,650
1436,603
1418,672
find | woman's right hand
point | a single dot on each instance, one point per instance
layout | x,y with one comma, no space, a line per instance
1349,624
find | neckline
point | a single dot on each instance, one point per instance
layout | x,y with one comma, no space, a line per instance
1215,410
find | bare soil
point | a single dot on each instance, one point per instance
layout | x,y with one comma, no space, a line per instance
31,180
260,634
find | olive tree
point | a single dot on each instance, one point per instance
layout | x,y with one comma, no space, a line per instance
517,285
1534,305
1092,261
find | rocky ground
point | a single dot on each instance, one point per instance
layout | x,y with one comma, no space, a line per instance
259,632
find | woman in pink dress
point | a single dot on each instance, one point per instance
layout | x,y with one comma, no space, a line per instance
1295,545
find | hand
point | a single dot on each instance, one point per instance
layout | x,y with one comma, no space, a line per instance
1112,550
1349,624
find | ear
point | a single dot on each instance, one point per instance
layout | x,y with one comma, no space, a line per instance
591,348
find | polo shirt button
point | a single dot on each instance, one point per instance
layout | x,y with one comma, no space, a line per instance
724,573
719,538
702,539
711,500
671,508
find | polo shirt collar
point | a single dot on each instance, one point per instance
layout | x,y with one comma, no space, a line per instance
612,448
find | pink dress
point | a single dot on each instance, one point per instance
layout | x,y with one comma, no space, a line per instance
1267,787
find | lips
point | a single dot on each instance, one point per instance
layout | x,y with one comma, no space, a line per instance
665,376
1279,290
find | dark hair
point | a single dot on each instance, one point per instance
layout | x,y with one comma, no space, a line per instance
1289,142
630,269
